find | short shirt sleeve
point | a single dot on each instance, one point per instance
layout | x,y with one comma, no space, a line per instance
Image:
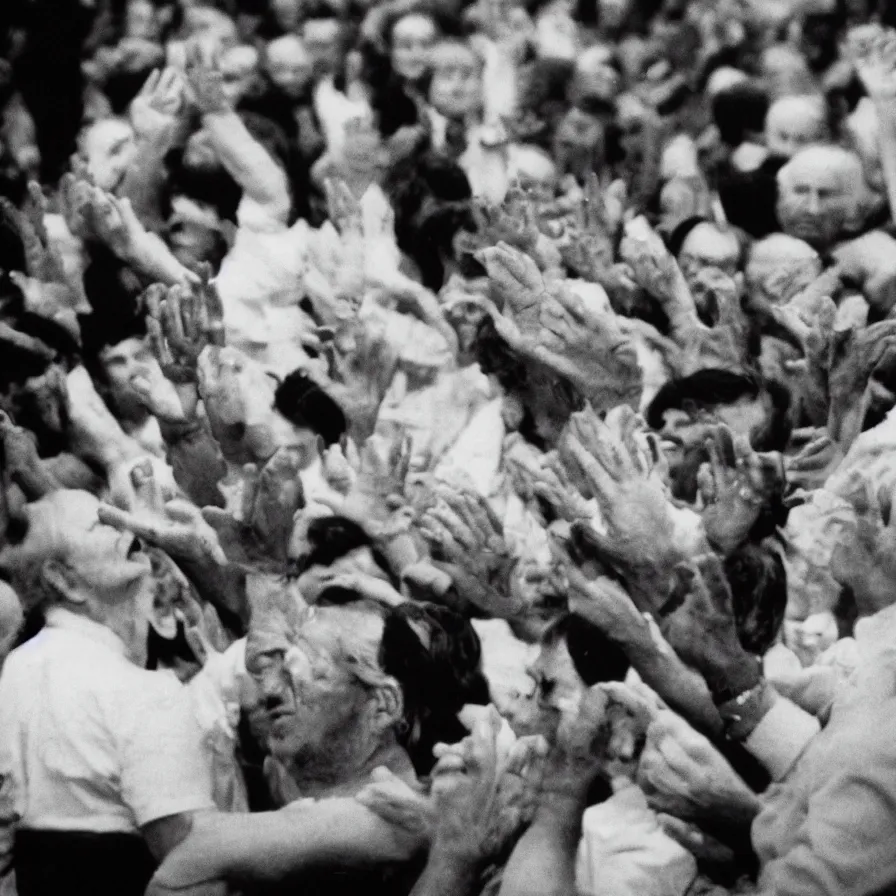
164,766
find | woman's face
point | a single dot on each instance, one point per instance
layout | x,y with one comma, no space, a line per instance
109,148
412,39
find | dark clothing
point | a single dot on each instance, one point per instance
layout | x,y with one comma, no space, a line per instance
51,862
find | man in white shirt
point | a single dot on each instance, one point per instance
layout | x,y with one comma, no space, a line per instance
101,761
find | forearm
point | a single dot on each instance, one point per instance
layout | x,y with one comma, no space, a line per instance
543,862
447,876
683,689
246,160
145,179
152,258
271,846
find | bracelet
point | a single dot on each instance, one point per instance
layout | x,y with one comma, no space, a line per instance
742,714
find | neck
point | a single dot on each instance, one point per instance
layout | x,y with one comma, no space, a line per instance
330,774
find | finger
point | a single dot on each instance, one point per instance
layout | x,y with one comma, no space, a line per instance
712,573
147,488
128,522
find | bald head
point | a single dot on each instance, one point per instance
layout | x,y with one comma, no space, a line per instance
289,65
822,195
794,123
780,267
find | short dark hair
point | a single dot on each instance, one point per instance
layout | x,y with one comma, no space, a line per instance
740,110
712,387
302,401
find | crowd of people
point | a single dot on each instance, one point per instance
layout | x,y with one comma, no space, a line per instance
447,447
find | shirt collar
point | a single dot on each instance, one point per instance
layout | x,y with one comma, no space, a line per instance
60,618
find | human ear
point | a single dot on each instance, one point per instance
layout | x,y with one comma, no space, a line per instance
60,578
388,705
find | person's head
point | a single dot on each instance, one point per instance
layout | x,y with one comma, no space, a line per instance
822,195
108,147
455,88
323,37
68,558
785,72
330,706
287,14
684,412
708,245
793,123
120,364
240,72
739,112
465,311
314,421
534,171
210,24
336,547
289,65
780,267
579,143
596,79
194,232
412,38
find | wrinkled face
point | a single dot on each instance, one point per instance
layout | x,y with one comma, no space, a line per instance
412,40
290,66
707,247
776,275
239,69
579,143
792,124
817,202
456,87
684,432
122,364
108,147
323,41
313,702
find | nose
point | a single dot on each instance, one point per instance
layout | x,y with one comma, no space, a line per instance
272,687
814,203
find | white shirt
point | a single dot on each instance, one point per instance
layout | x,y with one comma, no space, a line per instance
91,742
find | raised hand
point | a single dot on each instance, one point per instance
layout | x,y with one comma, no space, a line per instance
205,83
554,486
817,458
273,501
586,243
553,326
181,323
343,207
481,797
702,627
639,539
735,486
861,361
175,526
513,222
468,539
155,109
652,265
872,51
864,559
683,774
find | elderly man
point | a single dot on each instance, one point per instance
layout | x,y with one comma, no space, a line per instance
101,761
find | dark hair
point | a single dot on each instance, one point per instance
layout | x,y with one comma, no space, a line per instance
596,658
437,680
758,581
301,401
713,387
740,110
332,537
